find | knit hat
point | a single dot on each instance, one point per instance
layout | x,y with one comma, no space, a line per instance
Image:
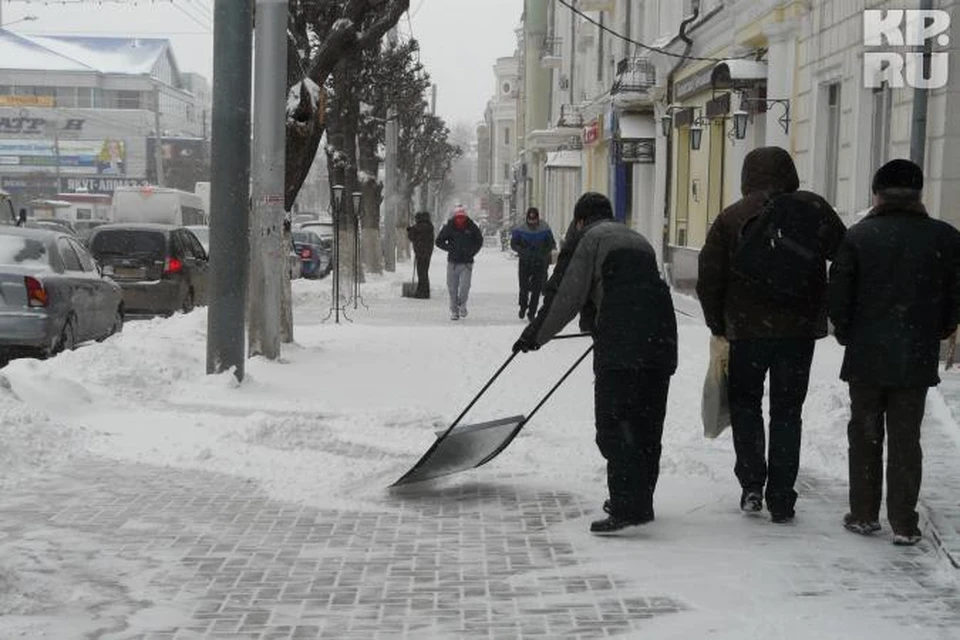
592,206
898,174
459,210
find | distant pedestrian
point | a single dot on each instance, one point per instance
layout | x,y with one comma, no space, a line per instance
893,297
461,238
749,303
22,220
534,243
421,235
611,271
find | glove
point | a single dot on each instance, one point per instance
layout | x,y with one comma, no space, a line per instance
525,345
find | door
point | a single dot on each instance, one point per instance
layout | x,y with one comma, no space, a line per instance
195,264
81,291
105,299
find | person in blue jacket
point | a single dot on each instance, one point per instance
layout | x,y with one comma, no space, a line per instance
534,243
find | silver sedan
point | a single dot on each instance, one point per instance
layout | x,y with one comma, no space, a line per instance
53,294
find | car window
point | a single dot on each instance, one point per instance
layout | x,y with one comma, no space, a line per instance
23,252
194,245
70,260
129,242
86,260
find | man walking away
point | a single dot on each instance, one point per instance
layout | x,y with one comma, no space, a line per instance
534,242
461,238
613,270
421,236
893,297
766,332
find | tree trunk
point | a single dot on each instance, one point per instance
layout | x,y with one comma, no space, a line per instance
370,166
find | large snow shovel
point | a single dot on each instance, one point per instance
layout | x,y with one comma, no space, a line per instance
409,289
460,448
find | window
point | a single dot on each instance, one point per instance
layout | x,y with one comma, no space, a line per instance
880,139
600,34
84,97
86,260
832,159
70,260
128,100
506,135
193,246
506,171
66,96
84,214
506,88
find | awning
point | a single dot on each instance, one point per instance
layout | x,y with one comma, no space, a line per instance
637,127
563,159
732,73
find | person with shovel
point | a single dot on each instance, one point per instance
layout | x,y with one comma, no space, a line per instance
421,236
613,270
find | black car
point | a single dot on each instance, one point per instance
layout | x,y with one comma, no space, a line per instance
161,268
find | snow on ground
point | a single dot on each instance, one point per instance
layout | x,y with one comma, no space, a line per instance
400,370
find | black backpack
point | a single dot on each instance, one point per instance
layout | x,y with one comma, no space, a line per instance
778,252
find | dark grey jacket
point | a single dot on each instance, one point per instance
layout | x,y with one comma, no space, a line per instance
614,269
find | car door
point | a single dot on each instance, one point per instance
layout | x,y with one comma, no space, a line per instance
106,294
200,265
81,290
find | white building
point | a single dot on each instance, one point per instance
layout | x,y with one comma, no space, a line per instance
80,114
501,121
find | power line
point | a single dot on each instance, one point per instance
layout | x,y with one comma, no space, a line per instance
616,34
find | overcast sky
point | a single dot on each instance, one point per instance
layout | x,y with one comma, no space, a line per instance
460,39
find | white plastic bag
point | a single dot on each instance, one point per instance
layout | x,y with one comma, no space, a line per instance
715,408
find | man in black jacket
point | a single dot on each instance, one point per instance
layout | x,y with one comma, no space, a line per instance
893,297
765,335
613,270
421,236
462,239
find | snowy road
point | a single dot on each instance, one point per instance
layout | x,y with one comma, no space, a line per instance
143,499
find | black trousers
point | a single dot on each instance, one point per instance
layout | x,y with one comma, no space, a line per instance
902,411
533,275
630,409
788,361
423,274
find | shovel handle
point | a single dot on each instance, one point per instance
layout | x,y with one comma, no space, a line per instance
482,391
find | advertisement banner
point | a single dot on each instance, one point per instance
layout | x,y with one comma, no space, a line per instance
96,157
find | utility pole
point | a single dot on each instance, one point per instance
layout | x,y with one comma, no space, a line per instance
390,182
269,138
158,135
425,189
230,185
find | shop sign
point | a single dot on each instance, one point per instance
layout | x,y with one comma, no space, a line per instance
591,133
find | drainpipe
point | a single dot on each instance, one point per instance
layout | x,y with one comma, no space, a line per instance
918,127
668,191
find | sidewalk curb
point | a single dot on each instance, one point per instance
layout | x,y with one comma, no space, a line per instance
933,526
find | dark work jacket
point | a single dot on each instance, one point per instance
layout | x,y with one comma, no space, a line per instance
730,307
460,243
614,269
421,235
893,295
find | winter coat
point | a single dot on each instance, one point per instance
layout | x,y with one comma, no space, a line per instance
533,244
730,306
461,238
614,269
894,295
421,235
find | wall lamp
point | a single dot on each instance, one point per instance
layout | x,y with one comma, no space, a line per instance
741,115
666,120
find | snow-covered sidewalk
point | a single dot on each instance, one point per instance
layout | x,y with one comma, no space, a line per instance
145,499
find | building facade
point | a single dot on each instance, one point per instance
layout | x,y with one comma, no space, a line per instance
80,114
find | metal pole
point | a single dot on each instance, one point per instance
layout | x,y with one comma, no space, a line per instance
390,182
338,208
269,142
230,184
158,135
918,125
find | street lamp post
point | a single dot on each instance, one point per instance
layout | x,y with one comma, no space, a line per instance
335,307
357,201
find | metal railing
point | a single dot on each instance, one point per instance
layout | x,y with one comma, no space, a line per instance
637,74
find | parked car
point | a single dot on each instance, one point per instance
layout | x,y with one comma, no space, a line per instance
161,268
314,252
323,228
53,295
63,226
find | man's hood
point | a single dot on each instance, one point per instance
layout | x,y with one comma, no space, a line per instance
769,169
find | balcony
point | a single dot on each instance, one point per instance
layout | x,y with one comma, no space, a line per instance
571,115
551,53
636,77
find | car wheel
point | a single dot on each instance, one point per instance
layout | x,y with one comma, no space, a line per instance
188,302
117,326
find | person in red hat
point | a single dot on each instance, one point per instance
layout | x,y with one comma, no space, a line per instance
462,239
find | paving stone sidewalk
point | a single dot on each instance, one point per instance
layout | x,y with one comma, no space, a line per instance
171,554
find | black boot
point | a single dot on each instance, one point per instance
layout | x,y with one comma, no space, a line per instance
613,524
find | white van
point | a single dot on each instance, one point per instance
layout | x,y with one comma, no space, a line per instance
158,205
